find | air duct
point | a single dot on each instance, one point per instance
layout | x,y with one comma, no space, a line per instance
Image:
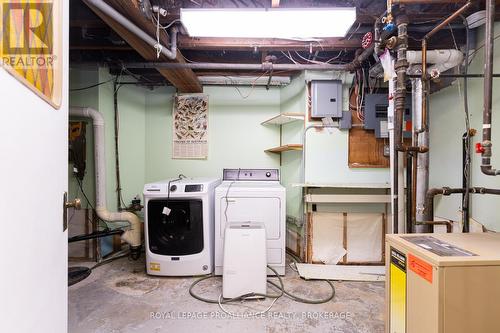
133,235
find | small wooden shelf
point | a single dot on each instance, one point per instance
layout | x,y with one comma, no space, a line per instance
283,148
284,118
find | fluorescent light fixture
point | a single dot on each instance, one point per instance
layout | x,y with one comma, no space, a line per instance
286,23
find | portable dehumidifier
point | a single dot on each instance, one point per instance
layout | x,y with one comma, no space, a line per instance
245,260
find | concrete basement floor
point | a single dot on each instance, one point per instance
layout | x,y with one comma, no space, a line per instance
120,297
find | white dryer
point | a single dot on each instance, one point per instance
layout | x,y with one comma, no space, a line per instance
256,196
179,226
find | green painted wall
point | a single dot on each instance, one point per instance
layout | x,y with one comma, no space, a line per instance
131,122
326,152
132,119
447,127
236,137
293,99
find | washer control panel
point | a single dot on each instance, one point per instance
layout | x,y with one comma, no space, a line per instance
251,174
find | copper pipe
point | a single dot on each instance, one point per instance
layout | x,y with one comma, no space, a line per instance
431,33
447,20
425,91
448,224
423,124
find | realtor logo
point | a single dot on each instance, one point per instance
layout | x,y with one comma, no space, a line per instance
27,34
27,28
31,45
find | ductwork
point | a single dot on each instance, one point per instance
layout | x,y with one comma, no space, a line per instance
126,23
443,60
133,235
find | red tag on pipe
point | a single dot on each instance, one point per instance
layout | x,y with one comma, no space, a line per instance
479,148
408,126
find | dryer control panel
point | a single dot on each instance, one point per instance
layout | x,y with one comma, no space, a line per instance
251,174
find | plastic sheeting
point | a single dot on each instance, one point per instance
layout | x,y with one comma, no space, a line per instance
361,242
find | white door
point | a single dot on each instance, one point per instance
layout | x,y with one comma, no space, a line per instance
33,178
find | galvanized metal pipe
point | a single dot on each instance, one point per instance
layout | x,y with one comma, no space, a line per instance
101,5
486,144
422,159
232,66
401,68
431,193
431,33
264,67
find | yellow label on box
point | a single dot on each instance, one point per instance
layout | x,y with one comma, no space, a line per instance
397,292
154,266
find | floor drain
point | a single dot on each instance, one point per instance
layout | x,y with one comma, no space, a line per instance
77,274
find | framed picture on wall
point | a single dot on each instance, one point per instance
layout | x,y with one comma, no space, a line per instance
190,126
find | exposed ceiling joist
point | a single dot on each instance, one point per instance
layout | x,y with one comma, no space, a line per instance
184,80
265,44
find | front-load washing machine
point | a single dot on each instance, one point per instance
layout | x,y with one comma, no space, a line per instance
252,195
179,226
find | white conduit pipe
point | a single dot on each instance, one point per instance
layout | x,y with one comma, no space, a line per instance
133,235
442,59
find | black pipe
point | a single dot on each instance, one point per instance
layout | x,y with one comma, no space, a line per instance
409,194
465,181
469,76
489,41
116,87
466,160
94,235
446,191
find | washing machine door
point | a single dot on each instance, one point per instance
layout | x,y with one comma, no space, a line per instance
175,227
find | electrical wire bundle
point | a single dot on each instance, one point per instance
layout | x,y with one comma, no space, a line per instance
358,87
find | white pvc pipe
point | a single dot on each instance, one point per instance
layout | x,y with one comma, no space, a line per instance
442,59
133,235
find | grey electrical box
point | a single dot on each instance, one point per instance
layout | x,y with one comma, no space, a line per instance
346,120
326,98
376,114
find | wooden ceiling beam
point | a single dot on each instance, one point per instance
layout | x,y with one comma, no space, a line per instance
265,44
185,80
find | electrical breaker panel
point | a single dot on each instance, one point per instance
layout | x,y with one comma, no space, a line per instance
326,98
376,115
